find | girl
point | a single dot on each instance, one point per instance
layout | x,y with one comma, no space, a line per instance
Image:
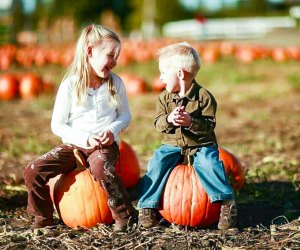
90,111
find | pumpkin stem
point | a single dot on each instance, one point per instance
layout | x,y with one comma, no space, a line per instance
80,160
189,160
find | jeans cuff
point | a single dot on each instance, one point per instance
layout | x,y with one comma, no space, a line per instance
221,197
147,204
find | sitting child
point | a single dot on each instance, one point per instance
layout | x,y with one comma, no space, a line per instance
186,115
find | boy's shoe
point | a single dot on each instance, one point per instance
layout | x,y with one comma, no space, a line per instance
147,217
41,222
228,217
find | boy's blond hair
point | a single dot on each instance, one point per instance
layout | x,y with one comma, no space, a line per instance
181,55
80,68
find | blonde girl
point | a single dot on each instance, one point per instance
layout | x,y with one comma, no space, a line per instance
90,110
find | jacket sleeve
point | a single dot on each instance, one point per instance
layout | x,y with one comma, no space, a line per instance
160,120
206,122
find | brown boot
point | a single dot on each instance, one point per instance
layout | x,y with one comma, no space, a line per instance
125,217
147,217
40,222
118,200
228,217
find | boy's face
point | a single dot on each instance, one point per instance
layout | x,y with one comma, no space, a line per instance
169,76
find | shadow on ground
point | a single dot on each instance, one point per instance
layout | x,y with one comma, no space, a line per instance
258,203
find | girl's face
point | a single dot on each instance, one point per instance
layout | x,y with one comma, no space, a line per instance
169,76
103,57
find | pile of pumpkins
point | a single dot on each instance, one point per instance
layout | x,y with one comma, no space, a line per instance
29,85
24,85
183,201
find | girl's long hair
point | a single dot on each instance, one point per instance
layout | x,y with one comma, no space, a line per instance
80,68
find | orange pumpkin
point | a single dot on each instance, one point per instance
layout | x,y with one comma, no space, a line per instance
79,199
233,168
158,85
128,166
8,87
184,200
135,85
30,85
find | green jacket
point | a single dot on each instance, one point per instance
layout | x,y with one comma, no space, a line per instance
202,107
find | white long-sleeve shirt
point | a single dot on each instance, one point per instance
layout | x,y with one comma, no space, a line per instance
75,123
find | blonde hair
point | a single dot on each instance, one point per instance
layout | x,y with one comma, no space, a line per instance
181,55
80,68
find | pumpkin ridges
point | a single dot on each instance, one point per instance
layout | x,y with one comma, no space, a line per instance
187,207
187,195
197,215
87,206
85,214
182,201
169,194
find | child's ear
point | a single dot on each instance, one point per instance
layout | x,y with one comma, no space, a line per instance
181,74
89,51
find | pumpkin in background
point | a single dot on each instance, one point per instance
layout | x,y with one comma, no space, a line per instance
279,54
210,55
158,85
30,85
135,85
184,200
128,167
8,87
233,168
245,54
79,199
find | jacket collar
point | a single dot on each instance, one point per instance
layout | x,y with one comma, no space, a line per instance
191,95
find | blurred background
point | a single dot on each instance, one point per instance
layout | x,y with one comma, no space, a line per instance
58,21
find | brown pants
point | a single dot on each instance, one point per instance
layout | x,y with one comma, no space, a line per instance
61,160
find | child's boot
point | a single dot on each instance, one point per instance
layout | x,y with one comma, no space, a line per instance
118,200
40,222
147,217
228,217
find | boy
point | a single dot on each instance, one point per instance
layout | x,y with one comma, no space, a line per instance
185,114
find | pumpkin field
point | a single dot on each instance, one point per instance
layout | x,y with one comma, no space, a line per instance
257,87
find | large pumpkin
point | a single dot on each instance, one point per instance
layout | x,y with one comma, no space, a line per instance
184,200
128,166
79,199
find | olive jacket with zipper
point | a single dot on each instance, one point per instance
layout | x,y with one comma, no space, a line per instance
202,107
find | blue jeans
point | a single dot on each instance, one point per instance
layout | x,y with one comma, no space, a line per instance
207,165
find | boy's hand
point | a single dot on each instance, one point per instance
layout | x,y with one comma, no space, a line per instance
107,138
179,117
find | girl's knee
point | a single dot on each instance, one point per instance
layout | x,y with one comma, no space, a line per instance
31,173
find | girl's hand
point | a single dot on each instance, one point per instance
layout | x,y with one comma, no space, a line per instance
107,138
93,140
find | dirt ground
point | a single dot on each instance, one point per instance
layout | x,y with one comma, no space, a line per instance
268,208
